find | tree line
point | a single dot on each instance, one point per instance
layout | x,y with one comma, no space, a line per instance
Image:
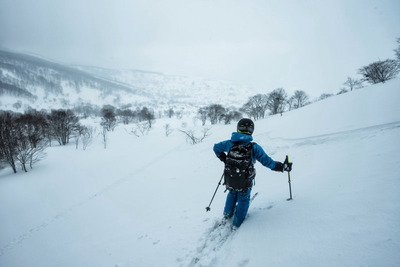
256,107
25,137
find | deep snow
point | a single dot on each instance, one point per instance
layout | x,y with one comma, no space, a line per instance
141,201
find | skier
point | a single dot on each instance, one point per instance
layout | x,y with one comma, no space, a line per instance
238,199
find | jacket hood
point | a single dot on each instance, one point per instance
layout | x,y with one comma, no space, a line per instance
245,138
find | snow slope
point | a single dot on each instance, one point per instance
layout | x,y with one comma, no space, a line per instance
141,201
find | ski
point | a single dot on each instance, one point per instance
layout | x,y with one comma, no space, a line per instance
253,197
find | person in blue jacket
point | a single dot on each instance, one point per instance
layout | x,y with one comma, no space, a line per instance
237,202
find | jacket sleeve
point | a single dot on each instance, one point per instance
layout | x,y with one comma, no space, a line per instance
262,157
221,147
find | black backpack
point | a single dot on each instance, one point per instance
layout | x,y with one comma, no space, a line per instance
239,168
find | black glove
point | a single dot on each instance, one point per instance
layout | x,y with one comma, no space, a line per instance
281,167
222,157
287,166
278,166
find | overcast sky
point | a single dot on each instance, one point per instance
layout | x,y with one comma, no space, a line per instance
298,45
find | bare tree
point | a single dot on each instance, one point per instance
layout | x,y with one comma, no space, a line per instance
30,141
147,115
37,153
22,150
86,109
77,134
62,124
202,113
380,71
193,139
104,134
141,128
352,83
215,113
397,51
170,112
108,121
232,115
300,99
87,136
126,116
168,129
256,106
277,100
342,91
324,96
290,103
27,154
8,140
21,139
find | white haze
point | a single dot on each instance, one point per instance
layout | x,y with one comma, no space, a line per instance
299,45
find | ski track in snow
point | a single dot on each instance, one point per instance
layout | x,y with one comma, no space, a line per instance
211,242
341,134
363,133
35,229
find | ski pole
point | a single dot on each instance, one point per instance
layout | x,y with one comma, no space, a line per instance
290,185
219,183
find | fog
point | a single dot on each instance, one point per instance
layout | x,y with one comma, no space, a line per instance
298,45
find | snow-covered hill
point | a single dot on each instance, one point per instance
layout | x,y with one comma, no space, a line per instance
173,90
141,201
39,83
29,81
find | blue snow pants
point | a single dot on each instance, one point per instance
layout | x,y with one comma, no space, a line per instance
237,205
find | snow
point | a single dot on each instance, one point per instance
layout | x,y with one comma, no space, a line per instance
141,201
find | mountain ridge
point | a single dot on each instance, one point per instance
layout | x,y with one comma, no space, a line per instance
55,85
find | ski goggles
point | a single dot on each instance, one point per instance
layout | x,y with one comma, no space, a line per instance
245,130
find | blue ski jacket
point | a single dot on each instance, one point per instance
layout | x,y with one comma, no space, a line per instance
258,153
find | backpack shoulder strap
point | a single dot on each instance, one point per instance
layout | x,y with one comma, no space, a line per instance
252,144
252,149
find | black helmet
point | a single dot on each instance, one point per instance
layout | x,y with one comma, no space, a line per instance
245,126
